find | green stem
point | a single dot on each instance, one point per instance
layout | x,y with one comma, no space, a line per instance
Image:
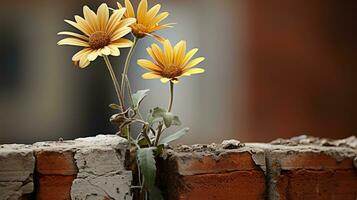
115,82
146,128
131,97
127,63
159,131
171,96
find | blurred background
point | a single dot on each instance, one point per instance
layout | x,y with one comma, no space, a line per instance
274,68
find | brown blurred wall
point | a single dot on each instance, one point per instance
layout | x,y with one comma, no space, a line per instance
302,67
273,69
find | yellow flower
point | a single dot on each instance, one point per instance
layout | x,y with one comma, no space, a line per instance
102,34
147,20
171,62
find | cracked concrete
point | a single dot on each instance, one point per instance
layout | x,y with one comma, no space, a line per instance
97,163
17,164
229,156
350,142
309,154
101,173
93,168
89,168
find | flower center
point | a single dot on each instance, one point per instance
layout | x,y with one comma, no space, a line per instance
172,72
99,40
139,30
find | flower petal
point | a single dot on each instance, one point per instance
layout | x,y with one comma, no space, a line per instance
164,80
91,17
103,15
142,9
130,10
179,52
120,33
79,27
84,62
194,62
163,26
147,64
152,13
193,71
159,18
169,53
73,42
150,75
78,55
122,43
74,35
153,56
84,23
189,55
114,50
105,51
114,20
157,51
126,22
93,55
157,37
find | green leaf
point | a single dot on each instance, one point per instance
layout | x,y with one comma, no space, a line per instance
114,106
138,97
142,142
173,137
158,112
171,119
160,148
147,163
124,132
156,194
156,115
168,118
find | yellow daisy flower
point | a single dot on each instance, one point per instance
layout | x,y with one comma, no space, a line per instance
147,20
171,62
102,34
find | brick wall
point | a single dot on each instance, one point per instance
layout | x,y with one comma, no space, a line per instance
86,168
93,168
302,168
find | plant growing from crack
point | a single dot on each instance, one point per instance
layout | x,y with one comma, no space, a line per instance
103,36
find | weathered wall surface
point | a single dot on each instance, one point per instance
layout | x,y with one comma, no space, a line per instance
93,169
303,168
82,169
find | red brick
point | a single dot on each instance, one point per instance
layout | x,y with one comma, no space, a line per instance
314,161
318,184
54,187
230,174
233,185
55,163
230,161
312,175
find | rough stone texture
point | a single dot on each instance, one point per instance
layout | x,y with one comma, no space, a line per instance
101,175
310,171
350,142
16,171
300,168
231,144
86,168
92,168
211,172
